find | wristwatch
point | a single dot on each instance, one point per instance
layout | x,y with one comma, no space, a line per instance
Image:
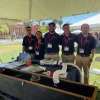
90,60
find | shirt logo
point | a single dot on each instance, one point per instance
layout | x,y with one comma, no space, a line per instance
71,39
88,41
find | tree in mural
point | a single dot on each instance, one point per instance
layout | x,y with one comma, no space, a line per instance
43,24
39,21
43,28
4,29
55,21
60,22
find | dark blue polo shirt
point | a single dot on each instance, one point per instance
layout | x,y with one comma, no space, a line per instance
55,42
68,42
87,46
27,44
40,49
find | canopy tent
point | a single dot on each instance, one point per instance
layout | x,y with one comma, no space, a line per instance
59,31
46,9
92,21
76,31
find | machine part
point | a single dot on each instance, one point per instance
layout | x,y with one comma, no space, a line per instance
35,78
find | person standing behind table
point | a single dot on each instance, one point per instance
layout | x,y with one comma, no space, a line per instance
52,41
86,46
39,46
28,43
68,40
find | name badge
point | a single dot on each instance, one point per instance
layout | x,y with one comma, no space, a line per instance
37,52
81,50
30,47
66,48
49,45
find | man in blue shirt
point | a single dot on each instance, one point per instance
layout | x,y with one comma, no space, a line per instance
52,41
28,43
86,46
67,41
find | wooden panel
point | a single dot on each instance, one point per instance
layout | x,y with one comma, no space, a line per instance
30,91
66,89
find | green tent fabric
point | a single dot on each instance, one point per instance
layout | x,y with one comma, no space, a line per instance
46,9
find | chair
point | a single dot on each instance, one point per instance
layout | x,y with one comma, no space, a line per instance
94,70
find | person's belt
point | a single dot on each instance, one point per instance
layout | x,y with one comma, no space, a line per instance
52,53
83,55
68,53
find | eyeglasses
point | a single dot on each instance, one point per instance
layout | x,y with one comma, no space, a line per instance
28,30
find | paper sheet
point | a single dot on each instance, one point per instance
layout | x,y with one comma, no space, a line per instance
7,65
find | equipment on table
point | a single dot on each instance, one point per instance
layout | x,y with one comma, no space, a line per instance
8,65
24,57
34,69
60,73
35,78
69,71
48,62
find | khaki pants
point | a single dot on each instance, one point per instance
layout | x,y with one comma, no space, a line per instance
83,62
68,58
32,56
54,57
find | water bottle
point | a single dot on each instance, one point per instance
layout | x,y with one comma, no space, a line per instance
12,59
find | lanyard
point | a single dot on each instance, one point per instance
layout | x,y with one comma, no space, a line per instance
66,40
50,38
83,42
30,40
37,46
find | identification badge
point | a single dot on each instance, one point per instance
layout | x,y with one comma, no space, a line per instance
30,47
66,48
37,52
49,45
81,50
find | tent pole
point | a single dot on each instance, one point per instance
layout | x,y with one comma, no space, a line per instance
30,9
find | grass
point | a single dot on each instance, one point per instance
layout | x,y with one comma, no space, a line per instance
7,50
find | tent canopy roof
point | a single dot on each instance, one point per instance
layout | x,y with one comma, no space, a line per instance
92,21
46,9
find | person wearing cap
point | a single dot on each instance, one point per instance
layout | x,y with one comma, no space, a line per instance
86,47
28,43
39,46
52,41
67,41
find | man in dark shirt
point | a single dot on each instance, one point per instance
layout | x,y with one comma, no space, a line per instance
52,41
86,46
67,42
28,42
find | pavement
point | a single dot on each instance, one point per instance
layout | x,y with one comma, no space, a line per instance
10,41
